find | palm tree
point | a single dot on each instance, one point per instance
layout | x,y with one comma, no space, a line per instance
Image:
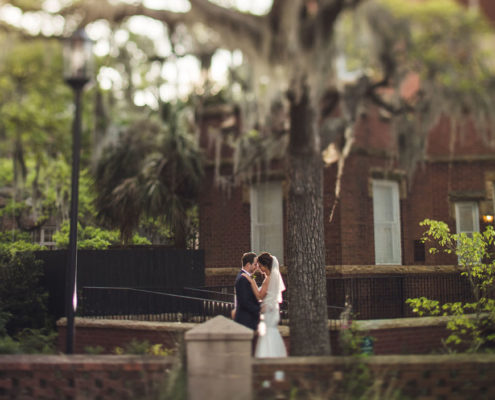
152,169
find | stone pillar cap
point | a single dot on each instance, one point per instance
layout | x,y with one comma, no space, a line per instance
219,328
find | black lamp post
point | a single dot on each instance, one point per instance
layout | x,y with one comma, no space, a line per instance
77,66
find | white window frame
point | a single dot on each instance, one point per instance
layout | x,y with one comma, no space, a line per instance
276,245
394,224
474,212
42,233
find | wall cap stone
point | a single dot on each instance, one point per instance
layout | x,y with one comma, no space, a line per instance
219,328
355,270
23,362
377,360
81,322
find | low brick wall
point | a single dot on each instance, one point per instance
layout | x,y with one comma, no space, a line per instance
81,377
393,336
225,276
451,377
390,336
109,333
405,335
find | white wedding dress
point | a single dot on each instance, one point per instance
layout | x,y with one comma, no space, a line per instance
270,342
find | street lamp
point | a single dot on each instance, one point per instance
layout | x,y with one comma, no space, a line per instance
77,67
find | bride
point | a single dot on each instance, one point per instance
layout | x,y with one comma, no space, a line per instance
270,343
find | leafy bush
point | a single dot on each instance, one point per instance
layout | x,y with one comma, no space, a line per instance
17,242
143,347
22,297
91,237
473,323
94,350
9,346
37,341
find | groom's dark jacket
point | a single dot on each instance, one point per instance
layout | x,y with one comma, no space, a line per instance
248,307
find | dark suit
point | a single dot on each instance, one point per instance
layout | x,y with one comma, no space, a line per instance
248,307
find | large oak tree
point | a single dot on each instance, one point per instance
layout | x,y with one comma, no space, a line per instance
295,45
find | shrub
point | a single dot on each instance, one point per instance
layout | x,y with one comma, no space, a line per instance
473,323
94,350
9,346
91,237
37,341
22,298
143,347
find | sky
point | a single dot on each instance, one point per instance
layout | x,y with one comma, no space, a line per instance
180,75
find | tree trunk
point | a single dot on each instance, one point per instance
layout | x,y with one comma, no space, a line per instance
180,231
309,333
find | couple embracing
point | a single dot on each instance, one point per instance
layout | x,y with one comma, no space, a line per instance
258,307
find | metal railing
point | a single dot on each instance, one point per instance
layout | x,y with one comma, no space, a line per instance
374,297
384,296
139,304
148,305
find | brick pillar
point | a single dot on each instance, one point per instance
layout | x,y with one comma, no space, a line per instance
219,360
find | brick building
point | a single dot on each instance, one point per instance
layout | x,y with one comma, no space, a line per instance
376,221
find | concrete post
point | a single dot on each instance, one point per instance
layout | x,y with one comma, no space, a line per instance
219,360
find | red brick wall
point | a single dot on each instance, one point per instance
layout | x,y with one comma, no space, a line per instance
110,334
394,336
349,238
81,377
452,377
224,226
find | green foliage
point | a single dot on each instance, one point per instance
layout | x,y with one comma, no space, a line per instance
37,341
143,347
29,341
4,317
94,350
175,385
9,346
154,170
15,241
33,99
472,324
357,381
91,237
21,294
351,339
23,312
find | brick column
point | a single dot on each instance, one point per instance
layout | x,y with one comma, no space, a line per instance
219,360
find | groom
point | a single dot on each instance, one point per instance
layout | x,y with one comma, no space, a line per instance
247,306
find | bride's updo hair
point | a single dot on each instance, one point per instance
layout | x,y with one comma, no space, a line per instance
266,260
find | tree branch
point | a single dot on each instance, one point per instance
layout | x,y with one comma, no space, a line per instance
93,10
236,29
379,101
331,131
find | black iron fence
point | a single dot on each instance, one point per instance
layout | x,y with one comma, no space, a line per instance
385,296
140,304
143,267
193,305
374,297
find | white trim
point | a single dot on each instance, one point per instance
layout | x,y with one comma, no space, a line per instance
474,215
387,224
267,218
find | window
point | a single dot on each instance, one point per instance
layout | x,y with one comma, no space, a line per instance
44,236
267,219
467,217
386,219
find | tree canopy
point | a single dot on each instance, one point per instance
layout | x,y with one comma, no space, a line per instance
314,65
